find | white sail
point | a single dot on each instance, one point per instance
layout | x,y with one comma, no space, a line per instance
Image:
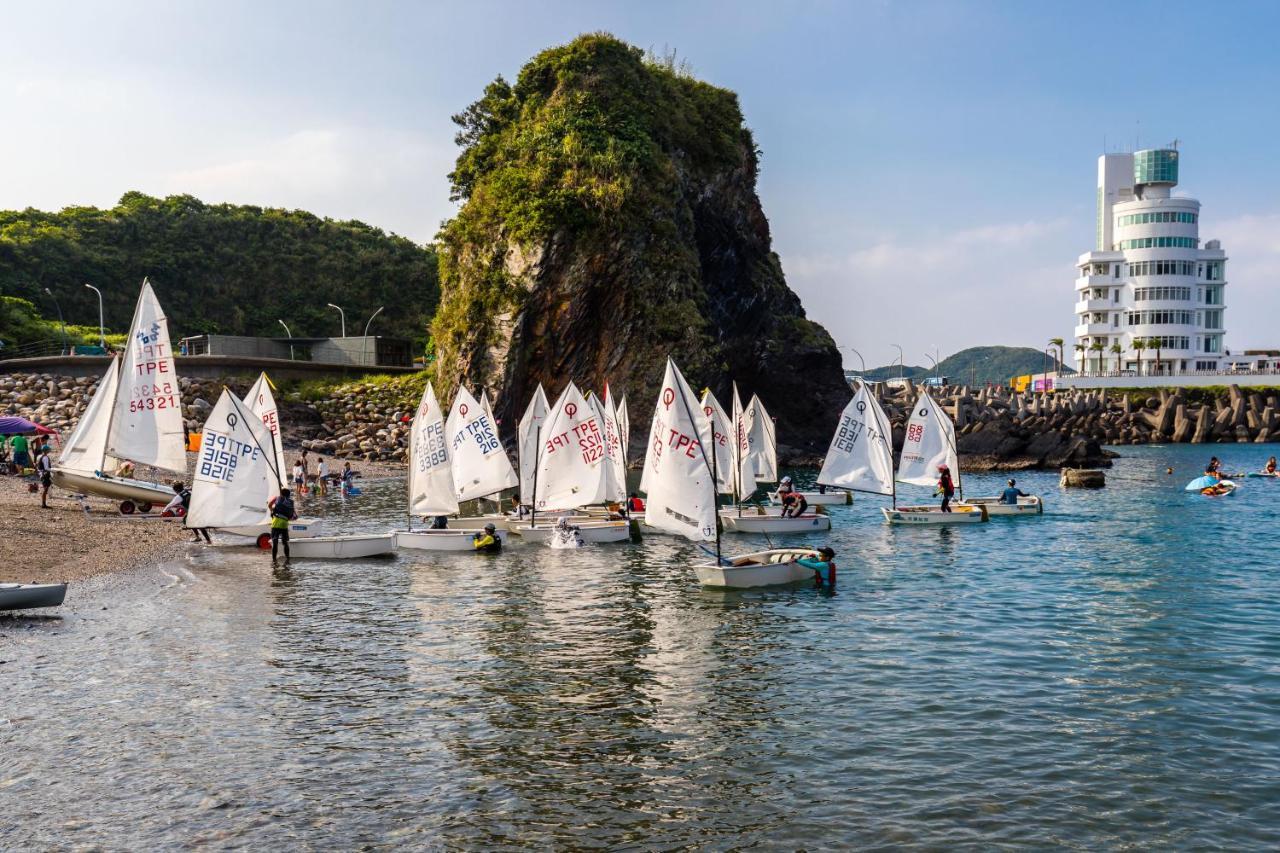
762,441
624,425
233,478
681,495
528,439
146,424
480,464
721,440
86,450
860,457
743,466
615,473
262,403
571,461
930,441
430,474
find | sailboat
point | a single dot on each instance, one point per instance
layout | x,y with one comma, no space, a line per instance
571,469
435,485
760,458
135,416
930,441
860,457
236,476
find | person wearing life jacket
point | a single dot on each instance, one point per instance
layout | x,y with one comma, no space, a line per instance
634,504
946,487
179,506
784,488
1214,468
487,541
793,504
824,567
282,512
1271,466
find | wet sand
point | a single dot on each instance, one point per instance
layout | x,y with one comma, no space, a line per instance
64,543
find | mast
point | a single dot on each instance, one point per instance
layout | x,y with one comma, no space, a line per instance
533,505
715,501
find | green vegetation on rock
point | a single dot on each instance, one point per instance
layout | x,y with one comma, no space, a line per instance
217,268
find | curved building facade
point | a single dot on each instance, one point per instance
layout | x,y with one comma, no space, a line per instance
1149,277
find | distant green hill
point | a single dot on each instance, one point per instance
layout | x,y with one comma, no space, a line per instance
976,366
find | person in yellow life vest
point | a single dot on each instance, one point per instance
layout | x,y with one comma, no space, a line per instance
487,541
282,512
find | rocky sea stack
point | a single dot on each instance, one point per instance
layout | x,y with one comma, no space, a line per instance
610,219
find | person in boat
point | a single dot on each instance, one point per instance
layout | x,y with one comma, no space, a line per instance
180,505
784,487
282,512
1214,468
439,522
44,465
124,469
1011,494
634,504
1270,467
487,541
946,487
794,504
1216,490
824,567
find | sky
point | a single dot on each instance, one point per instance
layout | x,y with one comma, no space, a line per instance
928,168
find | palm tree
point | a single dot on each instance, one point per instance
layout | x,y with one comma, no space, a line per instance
1097,347
1080,353
1139,344
1156,342
1116,349
1057,342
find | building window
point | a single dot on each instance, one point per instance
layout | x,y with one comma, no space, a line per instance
1158,243
1213,319
1212,344
1159,216
1160,318
1213,295
1213,271
1146,268
1149,294
1206,365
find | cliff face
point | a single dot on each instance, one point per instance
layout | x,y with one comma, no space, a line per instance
611,219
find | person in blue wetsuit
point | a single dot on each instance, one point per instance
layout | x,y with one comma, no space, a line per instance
1011,494
824,567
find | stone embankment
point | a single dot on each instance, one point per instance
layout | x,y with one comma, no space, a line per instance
996,429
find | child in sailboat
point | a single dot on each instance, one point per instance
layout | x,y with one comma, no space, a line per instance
946,487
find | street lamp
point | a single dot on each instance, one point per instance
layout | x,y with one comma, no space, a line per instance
344,318
65,339
102,332
861,360
935,367
901,357
288,334
366,335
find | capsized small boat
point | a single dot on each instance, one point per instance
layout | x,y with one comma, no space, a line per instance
960,514
818,498
441,540
598,532
1028,505
20,596
1201,483
764,523
349,547
773,567
1220,489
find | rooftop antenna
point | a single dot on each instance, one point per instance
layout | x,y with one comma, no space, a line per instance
1174,144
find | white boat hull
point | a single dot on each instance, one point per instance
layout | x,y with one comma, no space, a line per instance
348,547
20,596
477,522
121,489
764,568
758,523
933,515
440,540
819,498
598,532
302,528
1030,505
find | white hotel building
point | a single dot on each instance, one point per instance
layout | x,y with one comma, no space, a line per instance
1149,277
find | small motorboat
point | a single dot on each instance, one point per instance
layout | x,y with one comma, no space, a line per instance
960,514
441,540
21,596
762,568
764,521
834,498
1029,505
598,532
349,547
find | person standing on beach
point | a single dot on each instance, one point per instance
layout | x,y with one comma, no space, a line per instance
299,475
45,466
21,456
282,512
182,499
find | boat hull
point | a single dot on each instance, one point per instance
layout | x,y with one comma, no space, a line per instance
1031,505
933,515
775,567
343,547
477,522
439,540
599,532
22,596
302,528
733,523
819,498
116,488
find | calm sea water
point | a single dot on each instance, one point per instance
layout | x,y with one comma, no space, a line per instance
1107,675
